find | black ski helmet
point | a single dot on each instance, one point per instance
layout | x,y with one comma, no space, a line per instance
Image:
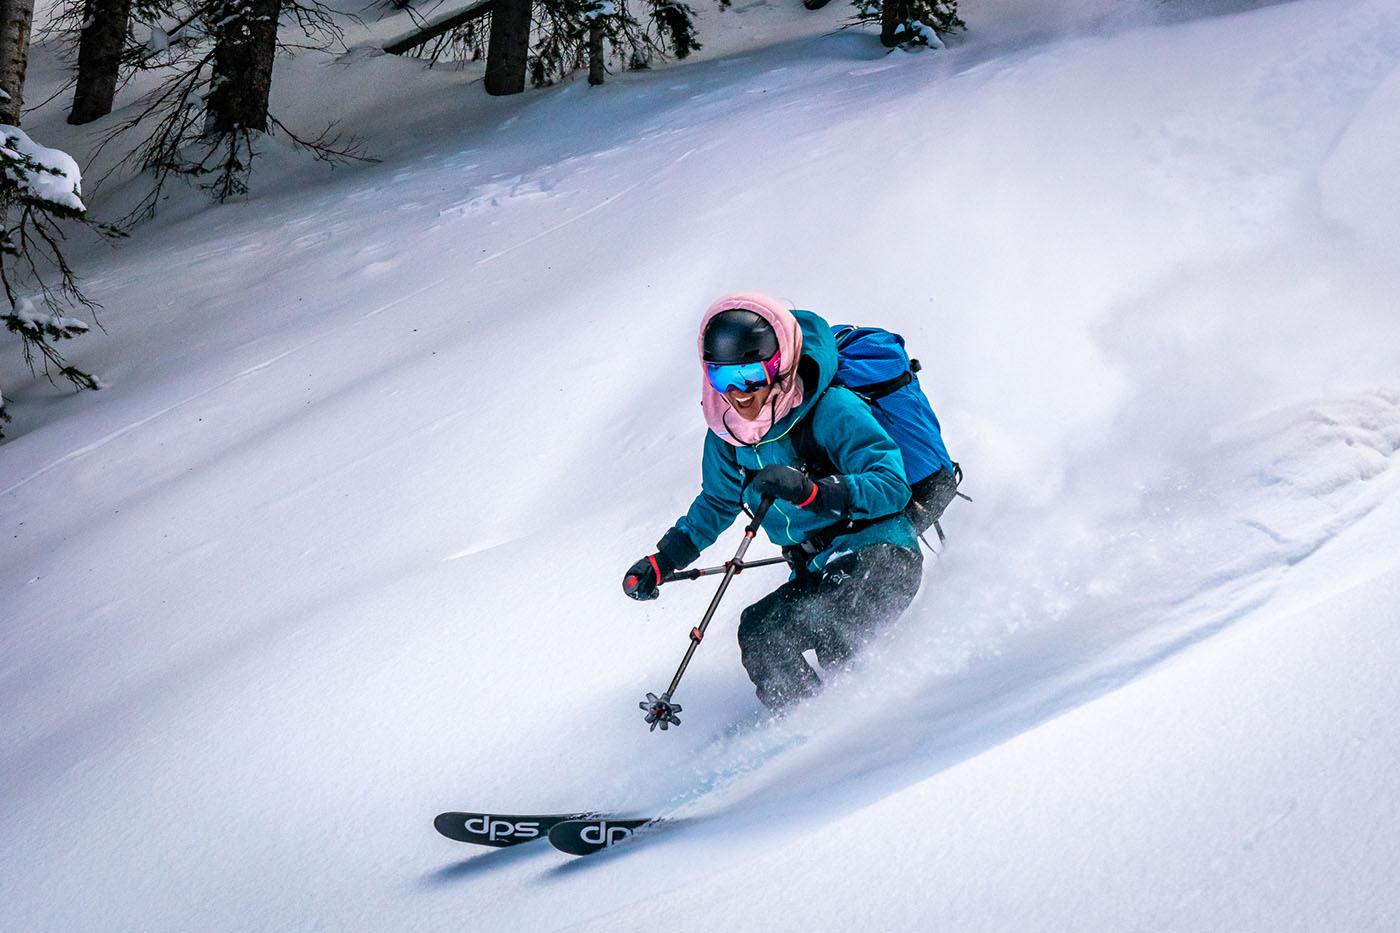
738,336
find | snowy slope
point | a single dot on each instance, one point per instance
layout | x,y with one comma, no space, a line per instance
339,545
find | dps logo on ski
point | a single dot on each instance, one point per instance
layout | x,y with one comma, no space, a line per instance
495,829
604,835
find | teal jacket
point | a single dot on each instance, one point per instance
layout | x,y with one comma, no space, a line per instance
853,441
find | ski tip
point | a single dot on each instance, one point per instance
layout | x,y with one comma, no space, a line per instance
587,836
498,830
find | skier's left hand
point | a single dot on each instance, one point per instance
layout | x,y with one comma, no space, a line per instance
779,481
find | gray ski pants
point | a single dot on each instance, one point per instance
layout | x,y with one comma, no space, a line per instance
832,613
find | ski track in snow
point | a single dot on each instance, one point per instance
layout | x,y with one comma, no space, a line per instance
213,390
102,442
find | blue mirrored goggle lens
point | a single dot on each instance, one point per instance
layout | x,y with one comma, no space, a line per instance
745,377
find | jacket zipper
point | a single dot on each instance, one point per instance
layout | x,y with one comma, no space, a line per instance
787,519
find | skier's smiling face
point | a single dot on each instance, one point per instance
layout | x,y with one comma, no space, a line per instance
747,385
747,403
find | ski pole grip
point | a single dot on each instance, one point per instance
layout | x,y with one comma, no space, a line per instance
758,514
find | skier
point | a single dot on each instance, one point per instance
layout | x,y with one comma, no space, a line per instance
780,429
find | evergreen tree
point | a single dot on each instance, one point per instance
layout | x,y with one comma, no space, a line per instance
205,119
39,187
577,33
245,45
556,38
911,23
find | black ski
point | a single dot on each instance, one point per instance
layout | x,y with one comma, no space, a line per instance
499,830
587,835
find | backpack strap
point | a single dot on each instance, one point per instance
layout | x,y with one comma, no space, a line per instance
813,454
818,464
878,390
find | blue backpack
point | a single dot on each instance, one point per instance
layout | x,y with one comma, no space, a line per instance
873,364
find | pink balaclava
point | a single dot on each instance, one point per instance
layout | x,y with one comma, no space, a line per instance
787,388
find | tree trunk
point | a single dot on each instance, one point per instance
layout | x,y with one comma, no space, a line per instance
99,57
16,18
508,49
596,68
245,44
892,16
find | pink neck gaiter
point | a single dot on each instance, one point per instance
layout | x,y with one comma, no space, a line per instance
787,388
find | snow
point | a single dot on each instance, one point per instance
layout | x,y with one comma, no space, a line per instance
602,9
55,177
45,320
339,544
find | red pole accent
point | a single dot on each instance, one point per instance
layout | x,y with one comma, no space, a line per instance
696,635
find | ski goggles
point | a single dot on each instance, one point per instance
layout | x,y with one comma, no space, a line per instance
746,377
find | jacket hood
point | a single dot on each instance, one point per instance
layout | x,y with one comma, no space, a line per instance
807,352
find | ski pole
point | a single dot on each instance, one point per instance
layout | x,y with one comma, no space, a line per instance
739,567
659,709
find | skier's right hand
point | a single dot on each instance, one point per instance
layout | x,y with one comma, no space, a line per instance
643,579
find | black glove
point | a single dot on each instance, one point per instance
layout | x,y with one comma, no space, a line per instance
784,482
829,494
643,578
675,549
